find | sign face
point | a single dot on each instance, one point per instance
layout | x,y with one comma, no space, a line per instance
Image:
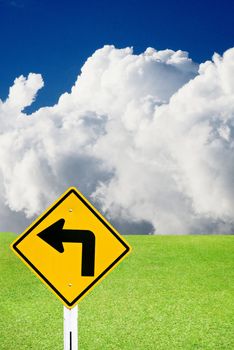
71,247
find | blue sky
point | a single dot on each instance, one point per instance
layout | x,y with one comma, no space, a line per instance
55,38
153,115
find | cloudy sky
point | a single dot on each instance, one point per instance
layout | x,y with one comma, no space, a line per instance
132,103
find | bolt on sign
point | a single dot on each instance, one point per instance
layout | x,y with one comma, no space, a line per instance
71,247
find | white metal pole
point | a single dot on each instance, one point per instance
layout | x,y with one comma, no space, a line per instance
70,328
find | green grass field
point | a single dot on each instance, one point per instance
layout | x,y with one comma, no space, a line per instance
172,292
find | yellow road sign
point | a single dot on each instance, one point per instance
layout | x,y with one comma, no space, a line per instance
71,247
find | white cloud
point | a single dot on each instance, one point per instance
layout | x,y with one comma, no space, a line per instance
147,137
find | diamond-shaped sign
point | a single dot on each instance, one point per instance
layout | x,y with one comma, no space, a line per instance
71,247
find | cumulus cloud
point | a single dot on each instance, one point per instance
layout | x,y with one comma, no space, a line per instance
148,138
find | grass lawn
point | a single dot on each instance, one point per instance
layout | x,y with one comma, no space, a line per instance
172,292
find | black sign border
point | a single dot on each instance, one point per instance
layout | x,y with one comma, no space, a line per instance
127,248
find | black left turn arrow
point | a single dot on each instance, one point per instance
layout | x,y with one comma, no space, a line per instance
55,236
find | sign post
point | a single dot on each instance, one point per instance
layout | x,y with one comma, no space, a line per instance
70,328
71,247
